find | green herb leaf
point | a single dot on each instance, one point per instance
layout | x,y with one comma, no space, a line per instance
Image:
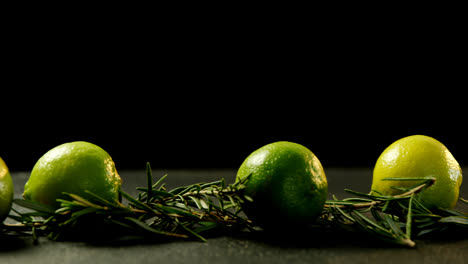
34,206
455,220
144,226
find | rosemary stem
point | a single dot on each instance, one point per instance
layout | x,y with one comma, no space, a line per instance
357,205
408,242
417,189
225,191
24,225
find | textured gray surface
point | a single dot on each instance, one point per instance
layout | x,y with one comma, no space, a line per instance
311,248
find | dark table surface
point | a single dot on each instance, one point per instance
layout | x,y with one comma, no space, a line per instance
237,249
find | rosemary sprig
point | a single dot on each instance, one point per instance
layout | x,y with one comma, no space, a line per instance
181,213
396,219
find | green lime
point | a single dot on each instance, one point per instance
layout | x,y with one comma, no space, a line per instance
287,184
419,157
6,190
73,168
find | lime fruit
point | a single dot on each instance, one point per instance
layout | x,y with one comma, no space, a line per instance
73,168
6,190
287,184
419,157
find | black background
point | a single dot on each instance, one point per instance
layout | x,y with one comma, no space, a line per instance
206,92
347,117
187,88
224,146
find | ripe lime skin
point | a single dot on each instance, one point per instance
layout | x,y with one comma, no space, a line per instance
421,157
287,184
73,168
6,191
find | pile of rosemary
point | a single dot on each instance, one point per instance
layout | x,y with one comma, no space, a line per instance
181,213
194,211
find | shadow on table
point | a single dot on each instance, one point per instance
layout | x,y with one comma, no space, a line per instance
344,239
307,238
10,243
314,239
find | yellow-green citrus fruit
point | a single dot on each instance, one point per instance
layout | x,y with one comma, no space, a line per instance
421,157
6,190
73,168
287,184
